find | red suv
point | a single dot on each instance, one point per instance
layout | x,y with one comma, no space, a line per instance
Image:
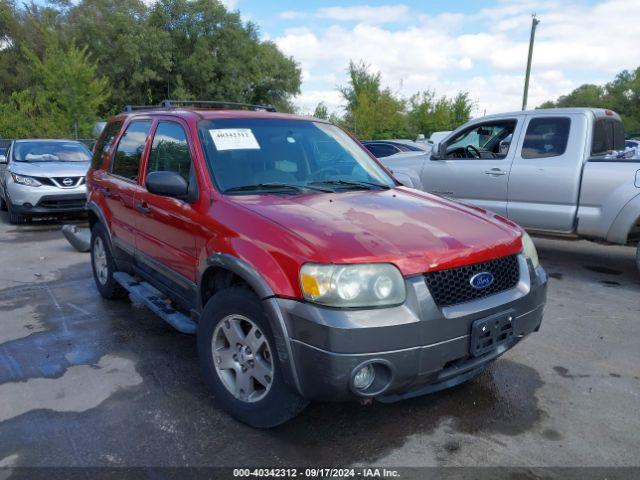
307,271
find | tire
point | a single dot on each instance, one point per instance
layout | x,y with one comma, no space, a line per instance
638,257
103,265
3,205
16,218
266,406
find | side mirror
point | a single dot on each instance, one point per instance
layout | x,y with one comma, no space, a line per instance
3,159
168,184
438,151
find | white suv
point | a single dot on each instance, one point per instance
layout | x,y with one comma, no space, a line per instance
42,178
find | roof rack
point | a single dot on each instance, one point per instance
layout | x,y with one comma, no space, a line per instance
171,104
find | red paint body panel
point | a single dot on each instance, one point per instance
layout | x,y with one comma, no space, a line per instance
277,234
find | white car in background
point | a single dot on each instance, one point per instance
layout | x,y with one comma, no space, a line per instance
43,178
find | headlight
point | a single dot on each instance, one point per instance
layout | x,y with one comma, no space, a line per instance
529,249
24,180
364,285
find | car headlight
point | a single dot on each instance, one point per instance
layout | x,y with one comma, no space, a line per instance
360,285
24,180
529,249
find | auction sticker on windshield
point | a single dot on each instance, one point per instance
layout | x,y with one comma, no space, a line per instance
234,139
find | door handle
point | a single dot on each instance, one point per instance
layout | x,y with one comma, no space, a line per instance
106,192
142,207
495,171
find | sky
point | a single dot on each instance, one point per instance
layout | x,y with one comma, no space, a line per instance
451,46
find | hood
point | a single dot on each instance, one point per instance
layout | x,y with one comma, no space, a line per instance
50,169
416,231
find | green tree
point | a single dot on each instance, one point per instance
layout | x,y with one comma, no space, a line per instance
181,49
371,112
622,94
321,111
219,57
63,101
428,114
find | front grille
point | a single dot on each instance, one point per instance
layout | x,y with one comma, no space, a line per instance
453,286
71,181
60,203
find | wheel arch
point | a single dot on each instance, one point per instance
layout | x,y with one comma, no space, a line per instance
626,226
223,270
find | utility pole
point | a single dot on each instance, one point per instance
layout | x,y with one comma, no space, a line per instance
534,24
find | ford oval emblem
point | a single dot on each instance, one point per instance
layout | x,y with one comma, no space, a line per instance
481,280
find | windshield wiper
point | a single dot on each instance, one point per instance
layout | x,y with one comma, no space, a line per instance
274,186
353,183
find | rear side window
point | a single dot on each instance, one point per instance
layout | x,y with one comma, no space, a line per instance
127,158
170,150
381,150
608,135
546,137
104,143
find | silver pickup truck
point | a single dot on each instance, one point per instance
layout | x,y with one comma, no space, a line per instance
548,170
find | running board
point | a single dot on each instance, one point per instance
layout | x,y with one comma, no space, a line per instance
156,302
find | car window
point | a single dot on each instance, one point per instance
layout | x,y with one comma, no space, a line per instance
127,158
546,137
246,152
104,143
381,150
39,151
170,150
485,141
608,135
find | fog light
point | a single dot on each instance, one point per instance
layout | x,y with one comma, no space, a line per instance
364,377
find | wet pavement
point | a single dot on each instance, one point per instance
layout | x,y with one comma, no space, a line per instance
90,382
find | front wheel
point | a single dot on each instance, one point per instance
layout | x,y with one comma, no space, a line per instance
238,359
16,218
3,204
638,257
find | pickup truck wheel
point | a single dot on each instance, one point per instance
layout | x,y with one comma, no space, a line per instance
238,359
103,264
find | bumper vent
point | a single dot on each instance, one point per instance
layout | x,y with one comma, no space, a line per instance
453,286
63,202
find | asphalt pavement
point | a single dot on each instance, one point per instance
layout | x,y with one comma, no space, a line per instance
90,382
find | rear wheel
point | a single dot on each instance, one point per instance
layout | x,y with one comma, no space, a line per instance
238,359
103,264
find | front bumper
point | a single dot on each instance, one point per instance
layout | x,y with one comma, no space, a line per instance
417,347
46,200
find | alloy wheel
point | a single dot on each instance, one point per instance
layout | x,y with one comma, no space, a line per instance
100,261
242,358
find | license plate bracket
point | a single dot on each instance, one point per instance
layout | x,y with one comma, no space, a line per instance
489,333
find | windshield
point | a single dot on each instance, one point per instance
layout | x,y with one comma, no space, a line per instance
258,155
50,151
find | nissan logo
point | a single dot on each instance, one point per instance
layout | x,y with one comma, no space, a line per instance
67,182
481,280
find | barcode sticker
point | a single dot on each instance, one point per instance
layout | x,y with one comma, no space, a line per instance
234,139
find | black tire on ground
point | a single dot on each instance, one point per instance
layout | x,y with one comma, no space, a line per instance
280,403
638,257
3,205
105,283
16,218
